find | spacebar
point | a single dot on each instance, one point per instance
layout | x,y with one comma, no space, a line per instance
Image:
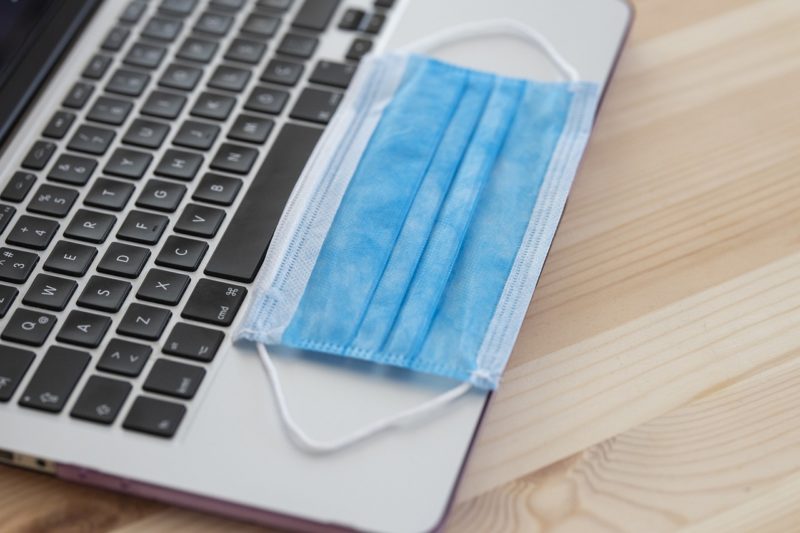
240,252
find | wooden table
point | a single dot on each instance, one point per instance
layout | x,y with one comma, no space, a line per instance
656,383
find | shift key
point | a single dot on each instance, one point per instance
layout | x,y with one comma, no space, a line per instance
214,302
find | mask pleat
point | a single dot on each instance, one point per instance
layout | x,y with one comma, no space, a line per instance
393,286
375,207
454,218
501,219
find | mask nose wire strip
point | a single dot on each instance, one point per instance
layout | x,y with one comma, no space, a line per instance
312,445
496,28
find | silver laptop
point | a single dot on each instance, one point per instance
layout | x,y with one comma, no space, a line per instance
148,150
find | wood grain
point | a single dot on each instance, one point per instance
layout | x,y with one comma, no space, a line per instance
655,381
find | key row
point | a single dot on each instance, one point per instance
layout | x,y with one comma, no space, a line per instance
211,302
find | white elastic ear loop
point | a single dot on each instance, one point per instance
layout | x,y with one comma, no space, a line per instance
312,445
494,28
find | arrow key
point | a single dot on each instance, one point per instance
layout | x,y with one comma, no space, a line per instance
124,358
200,220
101,400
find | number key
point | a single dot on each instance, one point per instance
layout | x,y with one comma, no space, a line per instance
52,200
32,232
16,265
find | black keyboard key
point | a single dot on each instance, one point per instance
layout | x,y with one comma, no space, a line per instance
179,164
14,363
78,95
18,187
143,227
237,257
109,194
297,45
228,5
6,213
7,296
133,12
70,258
386,4
216,106
116,38
39,155
124,358
32,232
214,24
163,104
180,77
358,49
261,26
97,67
375,23
59,125
267,100
182,253
16,265
174,379
234,158
91,140
155,417
245,51
282,72
144,321
101,400
334,74
229,78
146,133
52,200
315,14
110,110
193,342
104,294
123,260
50,292
194,134
54,379
200,220
216,189
277,5
128,82
351,19
163,287
161,195
128,163
72,169
215,302
177,8
84,329
251,129
162,29
145,55
316,105
200,50
29,327
90,226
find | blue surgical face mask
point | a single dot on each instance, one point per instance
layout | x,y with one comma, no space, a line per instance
418,230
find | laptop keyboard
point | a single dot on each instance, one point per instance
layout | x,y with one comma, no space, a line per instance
148,174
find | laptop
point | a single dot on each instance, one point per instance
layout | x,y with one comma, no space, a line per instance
148,148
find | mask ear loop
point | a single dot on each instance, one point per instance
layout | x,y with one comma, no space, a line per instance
497,28
312,445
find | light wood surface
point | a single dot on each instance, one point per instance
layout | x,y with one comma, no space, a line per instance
656,382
